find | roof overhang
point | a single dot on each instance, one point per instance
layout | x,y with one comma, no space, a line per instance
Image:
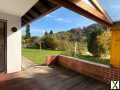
96,13
16,7
93,11
40,9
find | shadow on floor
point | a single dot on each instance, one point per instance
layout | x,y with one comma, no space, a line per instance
51,78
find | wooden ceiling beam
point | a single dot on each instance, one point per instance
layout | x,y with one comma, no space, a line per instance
84,9
23,21
40,9
46,3
36,11
26,17
97,5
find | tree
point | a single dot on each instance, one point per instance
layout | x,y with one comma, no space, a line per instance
104,41
28,35
46,33
92,42
51,32
26,40
49,42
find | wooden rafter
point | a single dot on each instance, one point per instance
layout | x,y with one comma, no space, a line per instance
84,9
96,4
40,9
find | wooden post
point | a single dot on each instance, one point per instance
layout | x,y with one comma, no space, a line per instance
115,46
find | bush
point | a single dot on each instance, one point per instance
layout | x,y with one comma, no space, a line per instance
68,53
35,46
49,43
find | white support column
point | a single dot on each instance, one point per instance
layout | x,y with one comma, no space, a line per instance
13,43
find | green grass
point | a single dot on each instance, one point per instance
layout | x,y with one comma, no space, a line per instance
38,56
94,59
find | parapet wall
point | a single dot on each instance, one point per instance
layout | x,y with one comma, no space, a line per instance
97,71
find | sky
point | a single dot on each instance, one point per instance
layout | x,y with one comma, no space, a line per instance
112,7
61,19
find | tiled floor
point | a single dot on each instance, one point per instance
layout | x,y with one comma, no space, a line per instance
49,78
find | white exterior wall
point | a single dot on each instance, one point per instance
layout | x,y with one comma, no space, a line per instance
13,43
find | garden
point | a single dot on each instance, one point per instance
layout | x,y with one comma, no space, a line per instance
90,43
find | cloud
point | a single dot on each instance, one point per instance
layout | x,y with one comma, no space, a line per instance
37,32
58,19
62,20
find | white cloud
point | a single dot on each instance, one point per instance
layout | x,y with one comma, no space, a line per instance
39,31
62,20
34,32
59,19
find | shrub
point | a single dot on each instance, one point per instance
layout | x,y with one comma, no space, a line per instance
49,43
35,46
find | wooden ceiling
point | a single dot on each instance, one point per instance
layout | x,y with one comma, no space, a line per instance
41,8
44,7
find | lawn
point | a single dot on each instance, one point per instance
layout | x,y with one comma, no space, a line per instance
94,59
38,56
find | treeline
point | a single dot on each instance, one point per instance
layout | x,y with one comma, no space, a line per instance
94,39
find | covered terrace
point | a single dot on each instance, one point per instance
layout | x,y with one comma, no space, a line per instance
60,72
